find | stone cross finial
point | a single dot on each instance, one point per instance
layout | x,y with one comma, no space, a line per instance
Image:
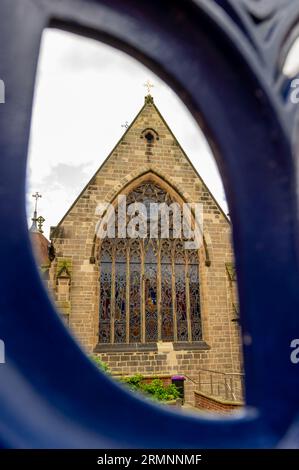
36,197
34,219
40,221
148,86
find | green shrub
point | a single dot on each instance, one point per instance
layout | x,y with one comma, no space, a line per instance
155,389
161,392
134,382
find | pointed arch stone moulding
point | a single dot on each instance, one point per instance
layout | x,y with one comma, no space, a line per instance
175,324
131,181
150,135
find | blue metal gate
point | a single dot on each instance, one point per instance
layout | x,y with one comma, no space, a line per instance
223,58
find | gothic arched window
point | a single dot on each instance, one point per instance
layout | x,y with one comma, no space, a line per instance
149,285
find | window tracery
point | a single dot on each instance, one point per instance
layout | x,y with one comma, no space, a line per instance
149,288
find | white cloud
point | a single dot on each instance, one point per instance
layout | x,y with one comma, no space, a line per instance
85,90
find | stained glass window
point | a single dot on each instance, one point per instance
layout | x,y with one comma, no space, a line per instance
194,295
125,291
120,292
167,333
180,291
150,297
105,292
135,293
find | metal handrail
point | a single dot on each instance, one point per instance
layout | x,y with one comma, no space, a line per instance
222,373
227,383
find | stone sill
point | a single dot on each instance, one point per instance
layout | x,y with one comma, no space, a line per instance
135,347
144,376
191,346
219,400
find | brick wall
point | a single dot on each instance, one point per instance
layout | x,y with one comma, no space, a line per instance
206,403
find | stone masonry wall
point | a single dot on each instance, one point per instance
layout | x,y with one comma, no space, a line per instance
157,363
74,239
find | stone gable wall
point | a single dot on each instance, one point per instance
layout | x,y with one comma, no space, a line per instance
74,239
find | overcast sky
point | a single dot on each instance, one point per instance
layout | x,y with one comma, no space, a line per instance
85,91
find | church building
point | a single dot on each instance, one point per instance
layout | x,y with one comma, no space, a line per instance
148,305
